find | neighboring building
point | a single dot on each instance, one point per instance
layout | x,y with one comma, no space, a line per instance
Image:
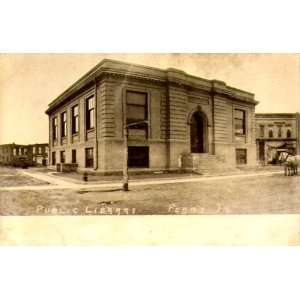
277,133
6,154
39,153
190,120
36,154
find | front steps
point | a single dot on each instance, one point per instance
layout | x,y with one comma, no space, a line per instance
206,164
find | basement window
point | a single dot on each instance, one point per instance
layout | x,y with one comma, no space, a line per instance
138,157
62,157
89,157
241,156
53,158
74,159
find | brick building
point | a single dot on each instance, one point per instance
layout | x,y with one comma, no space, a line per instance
277,133
35,154
191,121
39,153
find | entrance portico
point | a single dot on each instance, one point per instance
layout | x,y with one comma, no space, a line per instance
198,132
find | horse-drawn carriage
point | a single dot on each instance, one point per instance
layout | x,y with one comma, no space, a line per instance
291,164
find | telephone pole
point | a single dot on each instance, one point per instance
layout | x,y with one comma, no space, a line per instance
125,160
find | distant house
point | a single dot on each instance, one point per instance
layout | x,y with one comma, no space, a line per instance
277,133
190,120
35,154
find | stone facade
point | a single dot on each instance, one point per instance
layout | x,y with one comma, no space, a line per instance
276,133
187,117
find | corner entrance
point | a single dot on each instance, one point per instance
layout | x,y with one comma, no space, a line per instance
198,132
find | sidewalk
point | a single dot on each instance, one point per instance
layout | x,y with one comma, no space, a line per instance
99,179
59,183
47,177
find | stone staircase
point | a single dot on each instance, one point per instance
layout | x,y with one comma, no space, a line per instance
206,164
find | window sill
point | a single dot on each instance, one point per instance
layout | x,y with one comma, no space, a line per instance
240,135
90,130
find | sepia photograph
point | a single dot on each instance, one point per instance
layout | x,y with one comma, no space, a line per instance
149,134
149,150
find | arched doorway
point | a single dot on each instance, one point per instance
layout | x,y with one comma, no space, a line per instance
198,133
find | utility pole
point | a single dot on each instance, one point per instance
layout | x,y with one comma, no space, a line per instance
125,160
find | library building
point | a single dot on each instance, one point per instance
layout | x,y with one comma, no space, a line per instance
175,121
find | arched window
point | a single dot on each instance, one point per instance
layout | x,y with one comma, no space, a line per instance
288,133
279,131
270,133
261,131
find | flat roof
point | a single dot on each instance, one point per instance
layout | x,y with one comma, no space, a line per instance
148,73
275,115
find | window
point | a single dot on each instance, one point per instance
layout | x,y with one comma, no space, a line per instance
289,133
90,113
40,150
261,131
241,156
25,150
62,156
15,151
136,111
20,151
270,133
279,131
33,150
54,128
138,157
75,119
64,124
89,158
53,158
239,122
74,160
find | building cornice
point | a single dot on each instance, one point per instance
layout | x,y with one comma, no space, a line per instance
116,69
276,139
275,115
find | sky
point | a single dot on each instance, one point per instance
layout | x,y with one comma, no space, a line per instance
29,82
